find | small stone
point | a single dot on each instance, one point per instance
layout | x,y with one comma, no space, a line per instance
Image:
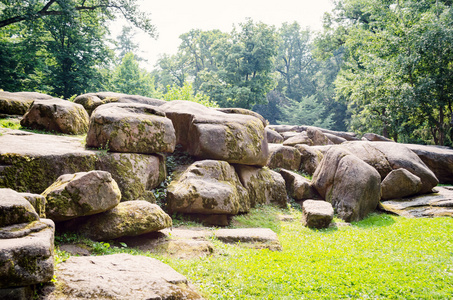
317,214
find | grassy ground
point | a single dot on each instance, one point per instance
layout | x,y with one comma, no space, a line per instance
381,257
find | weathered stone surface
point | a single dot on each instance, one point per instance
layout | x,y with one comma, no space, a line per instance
128,218
37,201
210,134
317,214
299,188
348,183
258,237
208,187
400,183
288,134
334,138
120,276
264,186
300,138
243,111
15,209
400,156
81,194
56,115
371,155
28,259
92,100
18,293
285,157
438,159
373,137
18,103
310,157
273,136
349,136
438,204
131,128
318,137
29,164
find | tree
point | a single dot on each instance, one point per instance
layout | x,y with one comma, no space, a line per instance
125,43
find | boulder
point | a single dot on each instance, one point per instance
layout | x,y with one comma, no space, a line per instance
335,139
438,159
288,134
14,209
318,137
208,187
92,100
400,156
348,183
371,155
130,218
310,157
437,204
299,188
38,202
273,136
131,128
300,138
81,194
285,157
317,214
56,115
373,137
32,162
26,254
400,183
119,276
349,136
210,134
264,186
18,103
243,111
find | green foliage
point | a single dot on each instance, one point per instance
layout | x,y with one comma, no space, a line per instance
187,93
10,123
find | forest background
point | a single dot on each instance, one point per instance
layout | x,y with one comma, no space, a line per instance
377,66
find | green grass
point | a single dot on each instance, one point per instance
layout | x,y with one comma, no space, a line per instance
10,123
381,257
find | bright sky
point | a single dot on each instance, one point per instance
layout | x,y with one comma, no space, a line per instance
175,17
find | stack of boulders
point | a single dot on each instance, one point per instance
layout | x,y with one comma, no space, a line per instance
26,246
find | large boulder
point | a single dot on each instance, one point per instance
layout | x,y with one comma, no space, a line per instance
210,134
81,194
438,159
18,103
371,155
208,187
310,157
131,128
317,214
92,100
284,157
242,111
400,183
120,276
264,186
32,162
299,188
26,254
56,115
129,218
15,209
348,183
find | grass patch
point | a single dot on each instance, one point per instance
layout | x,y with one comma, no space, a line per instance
10,123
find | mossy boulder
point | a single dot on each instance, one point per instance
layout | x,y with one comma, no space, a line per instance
317,214
129,218
351,185
264,186
37,201
208,187
310,157
210,134
56,115
18,103
285,157
26,254
15,209
131,128
273,136
81,194
32,162
92,100
299,188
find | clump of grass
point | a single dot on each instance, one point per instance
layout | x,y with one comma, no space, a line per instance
10,123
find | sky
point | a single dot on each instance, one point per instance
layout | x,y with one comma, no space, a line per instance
175,17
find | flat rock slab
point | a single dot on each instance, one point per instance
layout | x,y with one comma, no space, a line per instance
258,237
439,204
120,276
